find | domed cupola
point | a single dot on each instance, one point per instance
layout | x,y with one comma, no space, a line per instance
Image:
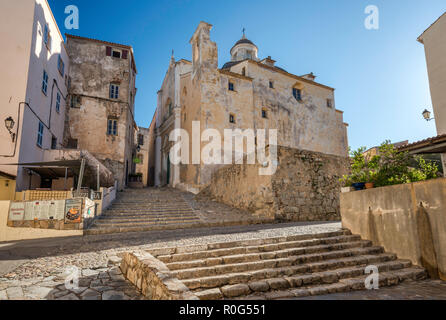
244,49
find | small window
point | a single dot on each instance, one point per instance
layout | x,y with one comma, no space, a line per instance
231,86
72,143
231,118
112,127
264,114
47,37
116,54
114,91
45,82
58,102
271,85
61,66
297,93
40,135
244,71
140,139
53,143
329,103
76,101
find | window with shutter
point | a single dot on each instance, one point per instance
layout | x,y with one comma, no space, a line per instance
124,54
109,51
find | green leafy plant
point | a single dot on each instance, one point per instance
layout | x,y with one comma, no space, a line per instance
388,167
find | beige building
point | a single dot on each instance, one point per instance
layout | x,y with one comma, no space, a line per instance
33,89
246,93
434,41
102,103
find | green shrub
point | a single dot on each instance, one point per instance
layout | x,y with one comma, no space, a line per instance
389,167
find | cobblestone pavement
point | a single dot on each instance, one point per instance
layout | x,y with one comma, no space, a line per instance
408,290
38,269
45,264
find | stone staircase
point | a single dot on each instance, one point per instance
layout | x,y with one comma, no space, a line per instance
273,268
145,210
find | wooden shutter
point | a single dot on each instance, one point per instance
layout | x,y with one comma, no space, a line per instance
124,54
109,51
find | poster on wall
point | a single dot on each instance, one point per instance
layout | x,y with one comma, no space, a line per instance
89,209
29,211
57,210
17,211
73,210
41,210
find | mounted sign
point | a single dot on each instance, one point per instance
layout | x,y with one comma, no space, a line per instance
17,211
96,195
73,210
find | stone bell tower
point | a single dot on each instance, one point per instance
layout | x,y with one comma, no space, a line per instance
204,51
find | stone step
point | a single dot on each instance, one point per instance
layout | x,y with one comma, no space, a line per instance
289,264
386,279
120,219
191,253
136,208
252,253
143,224
282,282
94,230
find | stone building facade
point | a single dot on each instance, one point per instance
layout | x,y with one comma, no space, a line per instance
142,139
246,93
102,103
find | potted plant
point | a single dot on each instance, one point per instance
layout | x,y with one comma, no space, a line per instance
359,179
371,175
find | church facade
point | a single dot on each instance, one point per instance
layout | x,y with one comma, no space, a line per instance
246,93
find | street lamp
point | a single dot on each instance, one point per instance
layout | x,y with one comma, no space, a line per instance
9,124
427,115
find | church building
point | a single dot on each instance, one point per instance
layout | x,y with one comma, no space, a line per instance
248,92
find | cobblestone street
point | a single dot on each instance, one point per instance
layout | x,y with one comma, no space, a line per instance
38,269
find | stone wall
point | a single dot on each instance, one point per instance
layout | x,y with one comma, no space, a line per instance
305,186
150,276
407,219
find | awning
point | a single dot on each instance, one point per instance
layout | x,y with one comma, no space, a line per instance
432,145
58,169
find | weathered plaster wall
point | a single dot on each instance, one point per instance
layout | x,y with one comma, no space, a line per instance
25,58
434,40
408,220
91,74
305,187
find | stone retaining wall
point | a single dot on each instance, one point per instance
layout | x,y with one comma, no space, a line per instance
305,186
407,219
151,277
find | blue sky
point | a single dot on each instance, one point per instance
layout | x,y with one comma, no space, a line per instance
380,75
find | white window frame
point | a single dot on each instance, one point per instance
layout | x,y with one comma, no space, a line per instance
45,82
40,134
58,102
